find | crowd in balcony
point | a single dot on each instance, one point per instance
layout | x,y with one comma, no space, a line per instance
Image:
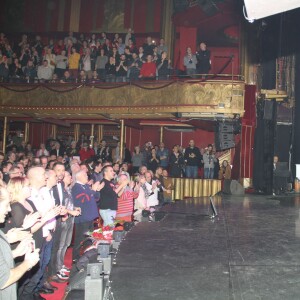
93,58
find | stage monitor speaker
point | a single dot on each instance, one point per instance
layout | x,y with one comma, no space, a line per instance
104,250
236,188
268,110
94,288
232,187
118,235
94,270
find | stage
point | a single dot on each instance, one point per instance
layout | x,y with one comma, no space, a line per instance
251,250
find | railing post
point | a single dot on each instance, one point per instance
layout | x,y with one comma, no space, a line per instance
4,134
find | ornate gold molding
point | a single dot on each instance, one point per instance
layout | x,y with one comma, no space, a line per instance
147,100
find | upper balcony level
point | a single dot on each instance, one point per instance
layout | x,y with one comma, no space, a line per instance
209,99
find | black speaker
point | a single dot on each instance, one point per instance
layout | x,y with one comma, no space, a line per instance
225,127
268,110
224,141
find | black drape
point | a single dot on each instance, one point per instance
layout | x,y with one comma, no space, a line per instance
264,149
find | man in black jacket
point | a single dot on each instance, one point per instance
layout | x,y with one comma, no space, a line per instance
192,157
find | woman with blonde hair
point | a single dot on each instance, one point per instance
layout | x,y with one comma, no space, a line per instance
21,207
10,274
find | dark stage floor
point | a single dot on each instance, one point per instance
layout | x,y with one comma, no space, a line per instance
250,251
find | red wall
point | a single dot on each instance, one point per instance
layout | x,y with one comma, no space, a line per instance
39,133
170,138
44,16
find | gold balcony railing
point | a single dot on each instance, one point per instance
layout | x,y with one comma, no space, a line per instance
153,99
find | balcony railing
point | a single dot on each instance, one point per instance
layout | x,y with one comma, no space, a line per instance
197,98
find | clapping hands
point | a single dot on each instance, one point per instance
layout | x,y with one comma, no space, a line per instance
31,219
17,234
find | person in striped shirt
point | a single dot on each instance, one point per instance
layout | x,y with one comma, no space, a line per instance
126,199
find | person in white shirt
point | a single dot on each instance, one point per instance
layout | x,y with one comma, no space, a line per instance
152,188
38,179
44,203
44,72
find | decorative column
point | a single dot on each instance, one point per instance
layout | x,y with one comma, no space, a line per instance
4,134
92,134
26,133
100,133
76,132
75,15
122,141
53,130
167,26
161,138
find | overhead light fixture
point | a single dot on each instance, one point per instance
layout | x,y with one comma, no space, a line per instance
258,9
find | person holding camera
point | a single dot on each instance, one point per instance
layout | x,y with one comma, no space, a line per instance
190,62
209,161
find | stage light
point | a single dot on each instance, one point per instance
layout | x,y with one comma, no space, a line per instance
258,9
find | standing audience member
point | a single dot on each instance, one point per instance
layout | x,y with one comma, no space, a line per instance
137,160
140,203
108,203
152,191
203,60
176,162
59,198
9,273
37,178
67,224
43,204
74,59
209,161
163,155
148,69
85,198
190,62
153,161
125,201
192,157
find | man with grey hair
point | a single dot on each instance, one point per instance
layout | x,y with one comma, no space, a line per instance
84,197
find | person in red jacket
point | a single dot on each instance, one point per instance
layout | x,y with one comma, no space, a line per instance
86,152
148,70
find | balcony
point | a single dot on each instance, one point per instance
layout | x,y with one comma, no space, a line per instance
196,99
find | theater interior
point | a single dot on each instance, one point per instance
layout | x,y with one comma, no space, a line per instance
250,248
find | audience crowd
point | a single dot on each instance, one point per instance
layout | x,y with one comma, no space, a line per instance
93,58
49,194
